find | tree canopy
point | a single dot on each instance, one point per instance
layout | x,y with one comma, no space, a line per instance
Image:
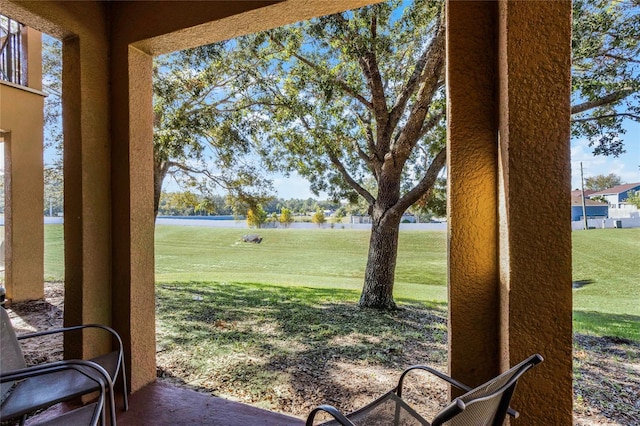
605,71
197,139
602,182
634,198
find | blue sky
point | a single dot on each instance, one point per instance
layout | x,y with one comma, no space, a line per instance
626,165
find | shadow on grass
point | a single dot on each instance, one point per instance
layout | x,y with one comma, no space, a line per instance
607,325
581,283
280,345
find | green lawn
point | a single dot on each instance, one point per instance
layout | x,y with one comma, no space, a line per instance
606,261
317,258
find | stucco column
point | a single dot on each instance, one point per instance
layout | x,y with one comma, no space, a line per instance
87,195
535,229
32,39
472,192
508,79
133,220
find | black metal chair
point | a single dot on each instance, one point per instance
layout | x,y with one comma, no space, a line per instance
487,404
48,384
90,414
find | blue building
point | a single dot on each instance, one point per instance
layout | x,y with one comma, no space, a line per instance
594,209
617,195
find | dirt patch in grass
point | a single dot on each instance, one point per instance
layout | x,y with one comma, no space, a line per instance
289,350
606,380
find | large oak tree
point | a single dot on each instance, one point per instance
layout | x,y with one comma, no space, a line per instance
354,102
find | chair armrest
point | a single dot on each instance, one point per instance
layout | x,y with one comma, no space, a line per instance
436,373
72,328
335,413
52,367
76,328
513,413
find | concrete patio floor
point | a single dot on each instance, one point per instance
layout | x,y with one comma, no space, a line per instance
161,404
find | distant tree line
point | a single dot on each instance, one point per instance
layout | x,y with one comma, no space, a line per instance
192,204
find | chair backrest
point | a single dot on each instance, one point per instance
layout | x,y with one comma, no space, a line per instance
11,357
488,403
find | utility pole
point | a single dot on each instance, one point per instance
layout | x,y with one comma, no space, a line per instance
584,203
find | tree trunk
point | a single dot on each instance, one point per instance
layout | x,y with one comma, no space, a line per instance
160,169
379,275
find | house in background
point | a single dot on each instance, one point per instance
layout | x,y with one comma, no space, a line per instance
616,197
595,209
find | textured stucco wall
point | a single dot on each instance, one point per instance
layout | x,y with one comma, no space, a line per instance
21,115
472,197
510,278
535,263
33,40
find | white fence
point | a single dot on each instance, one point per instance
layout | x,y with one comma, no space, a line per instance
633,222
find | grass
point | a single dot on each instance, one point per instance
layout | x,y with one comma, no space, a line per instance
605,262
292,319
317,258
53,253
262,344
276,325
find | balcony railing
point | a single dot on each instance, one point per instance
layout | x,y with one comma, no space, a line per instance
13,63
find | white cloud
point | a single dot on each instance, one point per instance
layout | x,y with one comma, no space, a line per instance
625,166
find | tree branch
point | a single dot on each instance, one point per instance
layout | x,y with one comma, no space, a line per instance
622,114
362,154
430,124
417,77
369,64
427,181
605,100
342,84
429,85
621,58
183,167
347,177
341,169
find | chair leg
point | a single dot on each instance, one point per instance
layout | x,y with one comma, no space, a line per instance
125,397
112,408
103,414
